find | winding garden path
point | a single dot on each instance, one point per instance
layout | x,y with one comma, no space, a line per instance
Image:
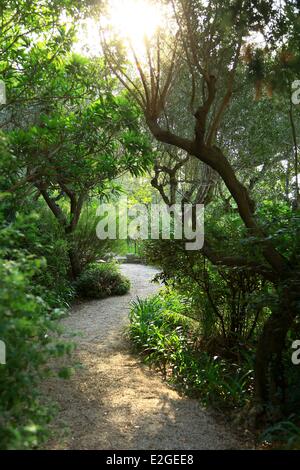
113,401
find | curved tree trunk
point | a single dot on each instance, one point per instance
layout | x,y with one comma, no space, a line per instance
272,340
69,224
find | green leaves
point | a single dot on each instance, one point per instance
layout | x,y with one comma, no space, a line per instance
24,320
83,143
168,341
29,289
98,281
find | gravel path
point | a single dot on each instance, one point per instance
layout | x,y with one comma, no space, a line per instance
113,401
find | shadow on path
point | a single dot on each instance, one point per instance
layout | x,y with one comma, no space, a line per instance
114,401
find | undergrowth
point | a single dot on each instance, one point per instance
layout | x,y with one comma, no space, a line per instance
169,341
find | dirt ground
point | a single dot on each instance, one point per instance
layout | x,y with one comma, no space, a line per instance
113,401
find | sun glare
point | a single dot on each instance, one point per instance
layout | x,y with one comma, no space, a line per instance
132,21
88,38
135,20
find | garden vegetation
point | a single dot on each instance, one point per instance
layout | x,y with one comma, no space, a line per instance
204,116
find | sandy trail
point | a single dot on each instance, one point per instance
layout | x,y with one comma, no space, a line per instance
115,402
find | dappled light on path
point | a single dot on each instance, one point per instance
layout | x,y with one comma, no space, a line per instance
115,402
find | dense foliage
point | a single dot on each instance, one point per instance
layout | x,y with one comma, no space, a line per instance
204,115
168,340
102,280
66,134
33,296
217,99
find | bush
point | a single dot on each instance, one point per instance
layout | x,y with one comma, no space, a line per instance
25,322
84,240
101,280
33,296
38,235
170,342
282,435
229,304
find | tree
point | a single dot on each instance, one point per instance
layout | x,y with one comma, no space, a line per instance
33,34
75,148
207,47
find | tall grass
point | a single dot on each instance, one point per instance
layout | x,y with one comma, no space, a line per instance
169,341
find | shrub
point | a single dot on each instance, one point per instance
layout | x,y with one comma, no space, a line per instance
85,241
168,340
282,435
31,297
229,304
101,280
25,322
38,235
